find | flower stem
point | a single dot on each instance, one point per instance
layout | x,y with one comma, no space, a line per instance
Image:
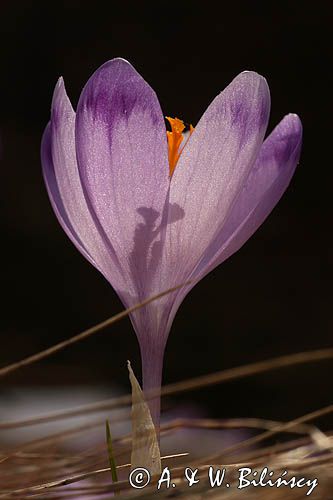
152,365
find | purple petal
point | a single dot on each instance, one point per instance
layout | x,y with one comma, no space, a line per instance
264,187
122,156
54,194
213,168
266,183
64,185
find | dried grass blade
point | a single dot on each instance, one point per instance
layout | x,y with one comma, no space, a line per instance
112,462
83,335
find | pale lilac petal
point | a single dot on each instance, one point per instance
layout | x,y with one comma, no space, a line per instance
264,187
65,190
212,168
54,194
123,162
266,183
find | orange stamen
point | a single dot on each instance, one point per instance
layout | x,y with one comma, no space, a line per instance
175,138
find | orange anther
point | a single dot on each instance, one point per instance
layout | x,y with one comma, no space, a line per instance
175,138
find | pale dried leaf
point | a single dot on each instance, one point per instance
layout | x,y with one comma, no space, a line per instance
145,447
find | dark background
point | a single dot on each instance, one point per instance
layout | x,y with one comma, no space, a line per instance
273,297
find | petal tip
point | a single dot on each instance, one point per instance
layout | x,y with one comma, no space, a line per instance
116,64
59,89
114,91
60,82
286,140
120,60
291,124
61,106
250,102
295,119
253,75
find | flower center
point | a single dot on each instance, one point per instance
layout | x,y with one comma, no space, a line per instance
175,138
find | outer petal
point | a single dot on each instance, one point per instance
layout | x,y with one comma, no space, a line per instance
264,187
213,168
65,190
266,183
122,156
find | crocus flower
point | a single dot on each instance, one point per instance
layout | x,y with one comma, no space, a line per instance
152,210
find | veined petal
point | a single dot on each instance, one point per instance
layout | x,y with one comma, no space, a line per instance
266,183
213,167
122,157
65,190
54,193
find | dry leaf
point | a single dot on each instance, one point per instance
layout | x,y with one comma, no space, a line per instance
145,447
